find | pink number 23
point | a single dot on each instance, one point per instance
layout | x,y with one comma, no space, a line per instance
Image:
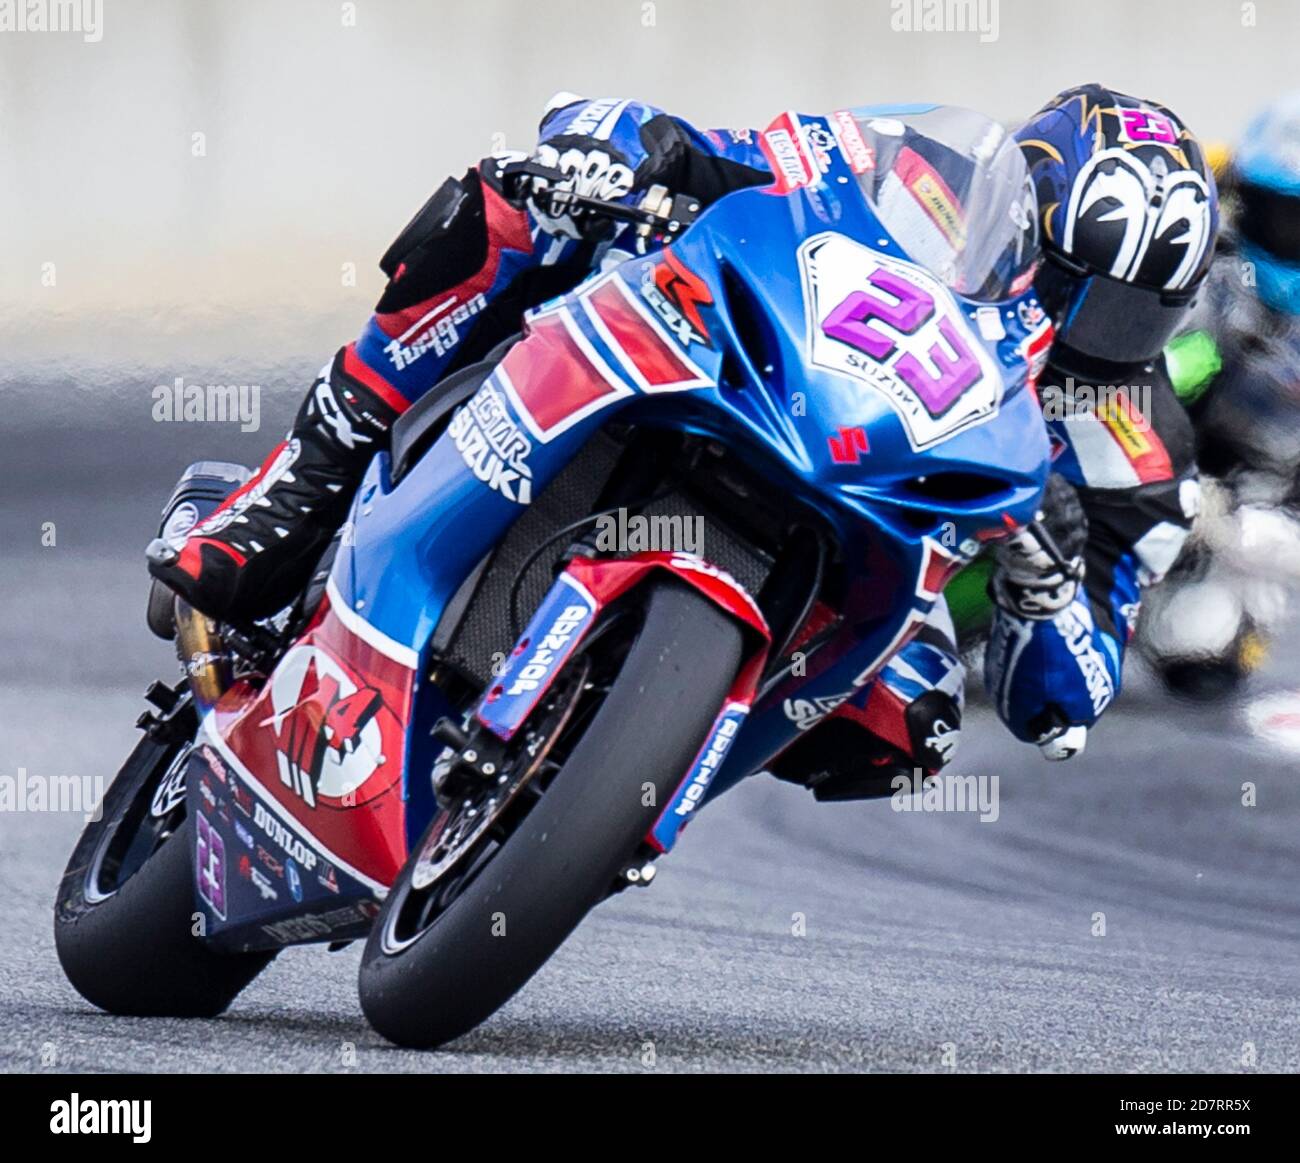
907,309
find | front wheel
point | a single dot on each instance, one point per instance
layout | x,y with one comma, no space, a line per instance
125,914
468,923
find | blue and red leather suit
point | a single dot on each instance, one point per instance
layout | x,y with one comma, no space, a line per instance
473,260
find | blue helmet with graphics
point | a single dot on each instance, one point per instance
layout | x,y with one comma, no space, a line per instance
1267,174
1129,214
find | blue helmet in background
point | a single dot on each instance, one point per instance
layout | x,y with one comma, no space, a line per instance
1267,173
1130,215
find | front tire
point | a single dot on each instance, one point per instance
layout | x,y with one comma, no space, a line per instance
125,914
562,859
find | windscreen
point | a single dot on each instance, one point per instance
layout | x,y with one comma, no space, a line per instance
951,187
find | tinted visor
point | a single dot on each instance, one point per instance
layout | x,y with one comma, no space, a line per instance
1271,221
1107,318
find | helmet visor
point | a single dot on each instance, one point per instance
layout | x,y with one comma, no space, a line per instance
1109,319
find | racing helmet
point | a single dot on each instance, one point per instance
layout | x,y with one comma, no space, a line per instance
1266,174
1129,213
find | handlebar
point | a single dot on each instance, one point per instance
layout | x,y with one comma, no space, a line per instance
657,215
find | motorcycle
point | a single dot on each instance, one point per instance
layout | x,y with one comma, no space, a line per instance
831,375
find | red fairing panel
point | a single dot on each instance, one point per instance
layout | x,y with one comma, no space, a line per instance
323,742
572,607
608,579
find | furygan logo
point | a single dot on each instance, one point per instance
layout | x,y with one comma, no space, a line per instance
440,335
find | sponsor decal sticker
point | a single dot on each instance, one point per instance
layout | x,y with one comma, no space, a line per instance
676,294
894,327
549,650
328,742
293,878
210,865
493,445
805,713
283,838
862,157
850,446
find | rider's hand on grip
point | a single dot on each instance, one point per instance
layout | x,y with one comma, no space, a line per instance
1038,570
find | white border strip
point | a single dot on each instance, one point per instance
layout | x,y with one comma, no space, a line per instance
370,634
629,364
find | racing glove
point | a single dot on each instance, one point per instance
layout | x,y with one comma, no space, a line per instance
1038,571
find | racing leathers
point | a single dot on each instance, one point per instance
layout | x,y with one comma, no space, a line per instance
480,253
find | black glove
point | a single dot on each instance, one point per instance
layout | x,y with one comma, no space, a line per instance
1038,571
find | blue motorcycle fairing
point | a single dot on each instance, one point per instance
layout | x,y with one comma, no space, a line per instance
911,491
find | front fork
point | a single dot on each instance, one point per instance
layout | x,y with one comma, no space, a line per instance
202,655
567,614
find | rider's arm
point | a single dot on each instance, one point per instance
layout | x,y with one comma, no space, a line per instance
1131,460
1135,468
478,255
460,277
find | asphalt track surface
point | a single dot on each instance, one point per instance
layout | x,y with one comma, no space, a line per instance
782,935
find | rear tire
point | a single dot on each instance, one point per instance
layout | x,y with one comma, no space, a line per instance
564,856
129,947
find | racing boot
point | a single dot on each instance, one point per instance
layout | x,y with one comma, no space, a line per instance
255,553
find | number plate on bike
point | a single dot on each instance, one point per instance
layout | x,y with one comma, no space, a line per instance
893,325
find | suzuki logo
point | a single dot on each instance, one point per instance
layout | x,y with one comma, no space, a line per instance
849,446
